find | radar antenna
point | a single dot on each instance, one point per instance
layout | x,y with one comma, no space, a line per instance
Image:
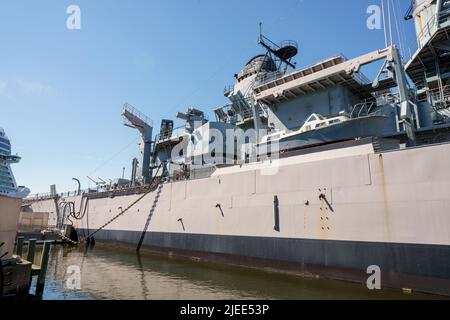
283,52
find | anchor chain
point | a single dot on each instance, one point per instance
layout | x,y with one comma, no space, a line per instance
75,243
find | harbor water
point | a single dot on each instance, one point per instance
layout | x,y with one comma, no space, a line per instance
101,273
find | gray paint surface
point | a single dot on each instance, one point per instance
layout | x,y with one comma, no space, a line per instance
417,260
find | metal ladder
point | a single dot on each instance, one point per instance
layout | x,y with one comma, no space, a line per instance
150,216
157,181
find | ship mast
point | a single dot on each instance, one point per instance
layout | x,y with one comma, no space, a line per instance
283,52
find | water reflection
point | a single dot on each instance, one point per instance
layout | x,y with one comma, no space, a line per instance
111,273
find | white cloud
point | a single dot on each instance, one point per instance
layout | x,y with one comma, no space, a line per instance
35,87
18,88
4,90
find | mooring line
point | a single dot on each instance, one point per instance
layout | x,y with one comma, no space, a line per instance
153,187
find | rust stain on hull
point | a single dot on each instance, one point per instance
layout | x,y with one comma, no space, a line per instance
385,199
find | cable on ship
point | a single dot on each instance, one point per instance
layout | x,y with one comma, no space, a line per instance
156,182
68,210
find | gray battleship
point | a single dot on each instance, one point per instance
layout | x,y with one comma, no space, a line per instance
317,171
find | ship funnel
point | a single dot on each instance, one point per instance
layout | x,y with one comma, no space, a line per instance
137,120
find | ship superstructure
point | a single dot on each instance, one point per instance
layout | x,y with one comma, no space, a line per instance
319,170
8,184
11,197
430,65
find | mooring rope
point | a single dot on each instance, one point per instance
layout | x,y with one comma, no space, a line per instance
123,211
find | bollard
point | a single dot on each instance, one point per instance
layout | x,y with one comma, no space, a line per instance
19,250
31,250
43,268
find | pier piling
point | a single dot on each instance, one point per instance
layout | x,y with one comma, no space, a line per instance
19,250
31,250
43,269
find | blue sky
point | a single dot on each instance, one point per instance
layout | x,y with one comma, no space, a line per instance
61,91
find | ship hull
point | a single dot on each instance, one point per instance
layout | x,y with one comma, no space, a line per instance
9,219
421,267
333,213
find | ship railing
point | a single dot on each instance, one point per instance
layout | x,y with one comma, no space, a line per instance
439,98
9,158
364,109
427,31
273,76
268,77
50,196
387,97
176,133
72,193
432,26
436,94
40,197
138,114
288,43
228,89
285,43
125,191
